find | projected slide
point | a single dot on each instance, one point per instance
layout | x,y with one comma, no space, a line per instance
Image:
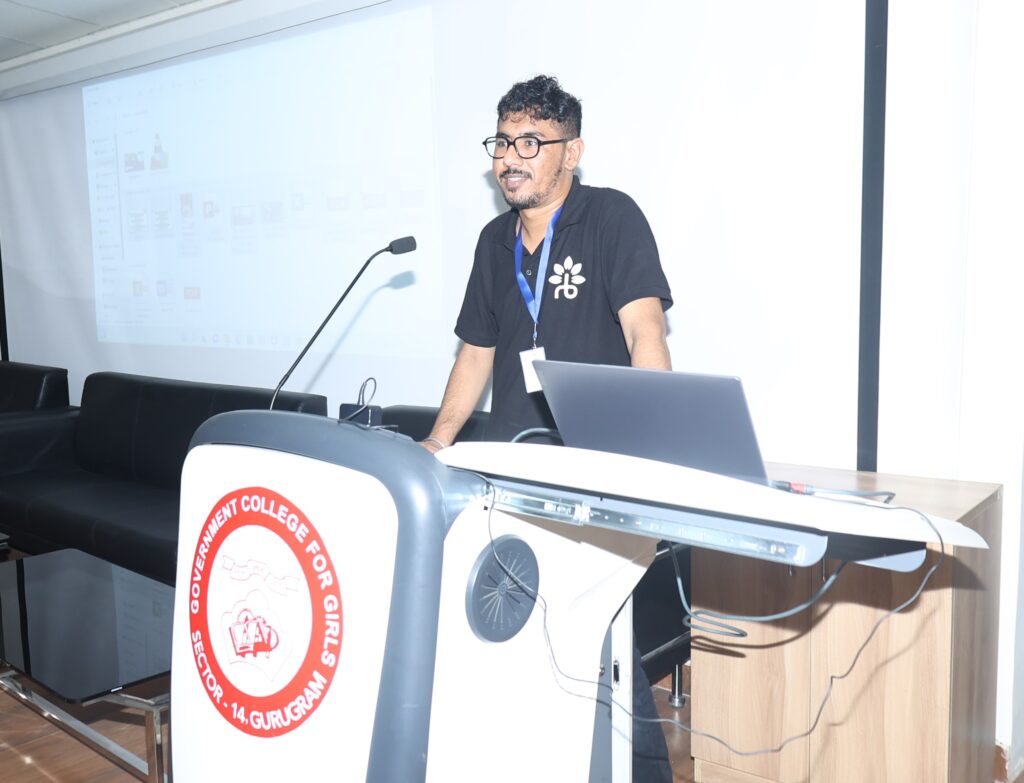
234,197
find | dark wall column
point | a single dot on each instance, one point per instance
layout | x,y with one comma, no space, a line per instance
3,314
872,191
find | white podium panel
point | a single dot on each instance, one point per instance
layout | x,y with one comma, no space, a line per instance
279,646
523,708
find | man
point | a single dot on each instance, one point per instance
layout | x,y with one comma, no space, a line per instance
570,272
603,293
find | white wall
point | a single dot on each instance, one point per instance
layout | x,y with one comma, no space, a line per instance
952,369
992,396
1015,761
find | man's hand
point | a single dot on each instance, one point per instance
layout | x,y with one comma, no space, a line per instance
433,445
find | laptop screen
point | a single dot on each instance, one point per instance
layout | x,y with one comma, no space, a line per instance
699,421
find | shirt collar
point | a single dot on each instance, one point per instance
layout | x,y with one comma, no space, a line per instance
572,212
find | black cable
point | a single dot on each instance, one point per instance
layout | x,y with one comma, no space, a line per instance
833,679
724,629
361,400
809,489
533,432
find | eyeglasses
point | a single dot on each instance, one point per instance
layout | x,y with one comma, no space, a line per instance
526,146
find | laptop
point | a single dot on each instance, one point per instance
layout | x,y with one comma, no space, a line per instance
699,421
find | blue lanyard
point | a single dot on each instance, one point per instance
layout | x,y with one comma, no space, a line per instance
533,299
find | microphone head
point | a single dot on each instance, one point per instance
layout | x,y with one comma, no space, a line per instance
403,245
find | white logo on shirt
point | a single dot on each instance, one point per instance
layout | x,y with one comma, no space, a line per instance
567,278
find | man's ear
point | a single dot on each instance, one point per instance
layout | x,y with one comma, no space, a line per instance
573,153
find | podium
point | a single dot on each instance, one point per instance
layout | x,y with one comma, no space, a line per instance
352,607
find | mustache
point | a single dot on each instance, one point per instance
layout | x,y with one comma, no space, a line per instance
514,172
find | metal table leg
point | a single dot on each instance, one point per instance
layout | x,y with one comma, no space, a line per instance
150,769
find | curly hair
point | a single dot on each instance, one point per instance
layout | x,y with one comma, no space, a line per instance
542,98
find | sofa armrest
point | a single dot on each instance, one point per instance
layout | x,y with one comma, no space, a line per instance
30,441
27,387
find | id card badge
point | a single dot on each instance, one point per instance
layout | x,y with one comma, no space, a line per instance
527,357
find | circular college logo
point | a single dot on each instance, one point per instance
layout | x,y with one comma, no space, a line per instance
264,612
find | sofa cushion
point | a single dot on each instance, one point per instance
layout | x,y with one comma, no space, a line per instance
29,387
123,522
138,428
104,438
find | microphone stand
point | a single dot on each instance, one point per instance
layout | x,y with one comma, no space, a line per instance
312,339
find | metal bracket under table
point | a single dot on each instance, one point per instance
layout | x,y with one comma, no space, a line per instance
149,769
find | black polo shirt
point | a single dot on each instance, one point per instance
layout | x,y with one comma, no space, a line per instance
603,256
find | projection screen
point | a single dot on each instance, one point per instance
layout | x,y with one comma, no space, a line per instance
196,217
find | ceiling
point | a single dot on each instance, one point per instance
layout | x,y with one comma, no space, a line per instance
30,26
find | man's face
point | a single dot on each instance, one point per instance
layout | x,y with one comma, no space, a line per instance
527,183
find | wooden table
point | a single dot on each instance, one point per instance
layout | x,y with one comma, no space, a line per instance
918,707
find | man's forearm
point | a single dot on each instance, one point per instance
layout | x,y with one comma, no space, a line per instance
651,352
466,384
645,332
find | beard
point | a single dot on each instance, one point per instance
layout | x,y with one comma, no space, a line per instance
530,200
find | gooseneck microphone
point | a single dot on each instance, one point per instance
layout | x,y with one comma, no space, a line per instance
396,247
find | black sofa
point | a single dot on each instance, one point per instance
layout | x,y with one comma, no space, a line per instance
104,477
32,387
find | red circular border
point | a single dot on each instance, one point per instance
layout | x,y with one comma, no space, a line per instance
199,620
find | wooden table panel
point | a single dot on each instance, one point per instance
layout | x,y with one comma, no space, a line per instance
919,704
